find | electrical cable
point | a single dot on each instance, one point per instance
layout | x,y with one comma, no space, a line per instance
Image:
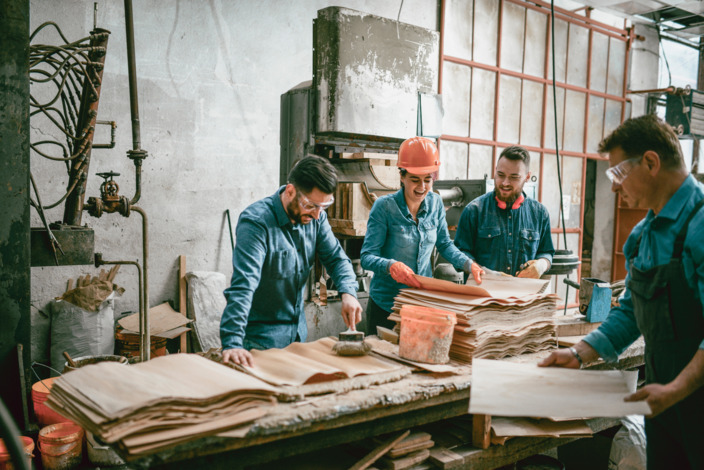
398,35
557,142
664,56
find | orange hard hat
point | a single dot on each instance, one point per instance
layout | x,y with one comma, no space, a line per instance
418,155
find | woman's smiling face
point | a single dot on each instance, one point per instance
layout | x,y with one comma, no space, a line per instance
416,187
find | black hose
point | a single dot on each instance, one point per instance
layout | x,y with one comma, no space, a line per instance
229,224
557,141
9,434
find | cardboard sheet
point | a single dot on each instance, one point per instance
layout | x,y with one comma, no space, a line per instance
161,318
502,388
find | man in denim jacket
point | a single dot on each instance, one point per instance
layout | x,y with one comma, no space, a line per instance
277,240
504,230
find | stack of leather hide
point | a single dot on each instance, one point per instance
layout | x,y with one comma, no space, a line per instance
154,405
505,316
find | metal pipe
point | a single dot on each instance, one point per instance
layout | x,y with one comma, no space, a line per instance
99,261
132,74
144,347
136,154
451,196
533,78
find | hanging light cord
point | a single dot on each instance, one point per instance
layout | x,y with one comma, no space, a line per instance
557,142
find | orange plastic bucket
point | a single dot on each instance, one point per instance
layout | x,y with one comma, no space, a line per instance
45,415
6,459
61,446
426,334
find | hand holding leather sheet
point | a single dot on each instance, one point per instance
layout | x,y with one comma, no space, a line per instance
503,388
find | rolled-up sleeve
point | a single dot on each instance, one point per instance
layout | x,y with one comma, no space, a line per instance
247,261
335,260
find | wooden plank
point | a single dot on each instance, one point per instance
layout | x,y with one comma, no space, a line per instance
574,326
182,286
379,451
407,449
405,462
445,458
481,431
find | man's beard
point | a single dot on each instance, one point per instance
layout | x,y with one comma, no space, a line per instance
511,197
294,213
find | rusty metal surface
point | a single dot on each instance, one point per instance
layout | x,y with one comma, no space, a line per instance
77,242
368,71
87,116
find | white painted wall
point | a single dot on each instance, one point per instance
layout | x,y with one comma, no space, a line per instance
210,77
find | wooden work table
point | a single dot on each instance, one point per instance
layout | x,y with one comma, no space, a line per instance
323,421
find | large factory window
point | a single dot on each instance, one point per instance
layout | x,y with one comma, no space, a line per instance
496,82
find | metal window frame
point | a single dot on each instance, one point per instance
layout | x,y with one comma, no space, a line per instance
573,18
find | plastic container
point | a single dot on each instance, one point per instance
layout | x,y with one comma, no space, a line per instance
86,360
127,344
6,458
61,446
426,334
40,392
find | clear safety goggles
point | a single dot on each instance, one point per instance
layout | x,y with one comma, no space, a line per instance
617,174
308,205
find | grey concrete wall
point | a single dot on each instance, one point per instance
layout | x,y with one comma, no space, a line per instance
210,76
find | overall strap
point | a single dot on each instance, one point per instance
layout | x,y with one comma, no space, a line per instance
679,242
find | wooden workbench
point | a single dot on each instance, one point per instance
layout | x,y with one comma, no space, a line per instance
329,420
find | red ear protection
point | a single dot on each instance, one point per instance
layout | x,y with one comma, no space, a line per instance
516,204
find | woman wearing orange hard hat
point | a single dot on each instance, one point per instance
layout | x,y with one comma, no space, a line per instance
402,230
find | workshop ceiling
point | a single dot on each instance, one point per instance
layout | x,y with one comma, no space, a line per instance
681,18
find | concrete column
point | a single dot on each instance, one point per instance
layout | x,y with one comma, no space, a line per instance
14,201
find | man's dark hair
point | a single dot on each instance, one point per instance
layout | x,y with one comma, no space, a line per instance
516,152
311,172
638,135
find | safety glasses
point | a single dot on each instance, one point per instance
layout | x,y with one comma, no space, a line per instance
617,174
308,205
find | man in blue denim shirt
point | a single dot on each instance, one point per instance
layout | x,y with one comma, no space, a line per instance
503,230
277,240
664,290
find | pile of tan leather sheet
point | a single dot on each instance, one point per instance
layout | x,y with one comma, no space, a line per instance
157,404
315,362
511,316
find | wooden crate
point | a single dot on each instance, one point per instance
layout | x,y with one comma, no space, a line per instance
349,213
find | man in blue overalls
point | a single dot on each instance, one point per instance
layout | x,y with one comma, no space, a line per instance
664,290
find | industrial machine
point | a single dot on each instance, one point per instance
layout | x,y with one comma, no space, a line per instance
684,111
373,86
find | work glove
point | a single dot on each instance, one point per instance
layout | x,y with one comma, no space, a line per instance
403,274
473,269
534,268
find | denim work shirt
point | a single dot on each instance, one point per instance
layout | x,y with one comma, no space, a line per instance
503,239
392,236
271,261
619,329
